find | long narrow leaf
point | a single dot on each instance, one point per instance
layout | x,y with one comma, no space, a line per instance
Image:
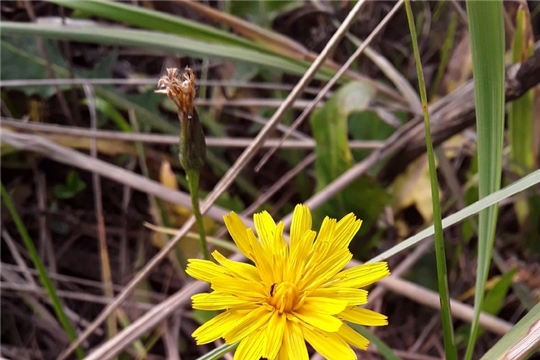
159,21
157,41
486,28
490,200
218,352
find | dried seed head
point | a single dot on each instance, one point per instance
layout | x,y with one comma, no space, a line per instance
179,88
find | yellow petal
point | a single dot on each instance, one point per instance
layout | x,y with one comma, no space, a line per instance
245,289
363,316
346,228
326,270
299,256
273,335
217,301
237,229
244,324
238,269
278,243
251,348
323,305
205,270
353,338
294,346
266,227
329,345
351,296
213,329
362,275
326,233
262,260
324,322
301,222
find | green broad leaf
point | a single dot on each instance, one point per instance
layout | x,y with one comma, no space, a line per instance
103,69
28,57
74,184
364,196
367,125
494,301
21,60
495,297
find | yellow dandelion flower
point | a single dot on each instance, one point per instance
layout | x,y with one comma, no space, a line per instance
293,293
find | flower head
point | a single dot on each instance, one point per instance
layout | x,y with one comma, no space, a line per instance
293,293
179,88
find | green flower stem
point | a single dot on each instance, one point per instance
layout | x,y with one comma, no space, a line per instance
192,159
193,181
192,142
442,275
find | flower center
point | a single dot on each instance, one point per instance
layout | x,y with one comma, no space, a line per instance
284,296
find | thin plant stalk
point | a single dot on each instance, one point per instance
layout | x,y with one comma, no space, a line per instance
193,182
181,90
442,276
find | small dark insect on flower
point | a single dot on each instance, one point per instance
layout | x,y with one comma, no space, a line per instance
180,88
272,289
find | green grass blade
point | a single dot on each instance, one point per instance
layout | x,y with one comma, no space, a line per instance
156,20
442,274
42,272
218,352
512,189
486,28
157,41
